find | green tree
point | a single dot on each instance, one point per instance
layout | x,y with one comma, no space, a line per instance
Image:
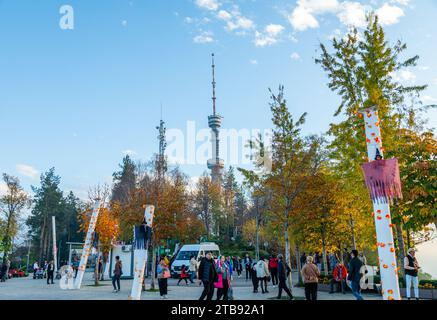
124,181
12,203
48,201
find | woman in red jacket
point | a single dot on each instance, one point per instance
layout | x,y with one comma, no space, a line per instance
273,268
184,275
339,278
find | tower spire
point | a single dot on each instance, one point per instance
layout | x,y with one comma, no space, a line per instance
215,164
213,87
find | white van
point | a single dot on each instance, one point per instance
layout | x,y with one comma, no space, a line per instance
196,250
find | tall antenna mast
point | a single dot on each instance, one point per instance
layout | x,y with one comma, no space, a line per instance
213,87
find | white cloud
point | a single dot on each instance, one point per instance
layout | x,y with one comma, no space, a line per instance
302,19
295,56
27,171
204,37
428,99
352,14
389,14
129,153
235,21
405,76
270,35
3,188
253,61
189,20
224,15
211,5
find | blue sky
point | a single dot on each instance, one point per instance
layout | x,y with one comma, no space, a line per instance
78,99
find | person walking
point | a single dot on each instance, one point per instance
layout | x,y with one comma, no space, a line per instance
50,272
339,278
310,275
236,265
273,268
283,272
254,277
412,268
223,279
118,271
184,275
248,266
193,268
207,276
240,267
303,259
45,267
354,275
4,272
317,261
263,274
333,261
163,275
35,268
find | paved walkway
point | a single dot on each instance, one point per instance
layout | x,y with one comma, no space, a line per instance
30,289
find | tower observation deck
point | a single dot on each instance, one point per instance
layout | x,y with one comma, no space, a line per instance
215,164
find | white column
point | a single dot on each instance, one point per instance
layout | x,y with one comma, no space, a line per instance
383,222
55,254
140,259
87,246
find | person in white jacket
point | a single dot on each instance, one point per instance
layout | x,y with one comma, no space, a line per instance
263,274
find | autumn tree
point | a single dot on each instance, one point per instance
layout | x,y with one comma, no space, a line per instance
12,204
362,70
295,159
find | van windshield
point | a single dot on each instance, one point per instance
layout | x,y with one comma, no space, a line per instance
186,255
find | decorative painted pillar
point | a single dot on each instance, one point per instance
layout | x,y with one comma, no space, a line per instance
383,185
88,245
142,238
55,250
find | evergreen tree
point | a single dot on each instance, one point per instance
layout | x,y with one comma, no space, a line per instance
124,181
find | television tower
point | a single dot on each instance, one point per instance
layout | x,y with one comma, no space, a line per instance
215,164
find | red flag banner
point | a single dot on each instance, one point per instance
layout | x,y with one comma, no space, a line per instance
383,180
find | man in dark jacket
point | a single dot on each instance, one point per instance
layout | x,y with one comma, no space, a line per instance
283,272
50,272
354,275
207,275
248,266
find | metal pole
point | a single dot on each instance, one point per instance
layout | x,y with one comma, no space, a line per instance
383,222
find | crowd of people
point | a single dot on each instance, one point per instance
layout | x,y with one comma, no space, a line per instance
216,274
349,272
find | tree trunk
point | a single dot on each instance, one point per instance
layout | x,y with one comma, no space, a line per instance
41,240
8,239
152,283
257,230
287,250
96,270
325,260
409,238
354,242
299,267
401,245
435,222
